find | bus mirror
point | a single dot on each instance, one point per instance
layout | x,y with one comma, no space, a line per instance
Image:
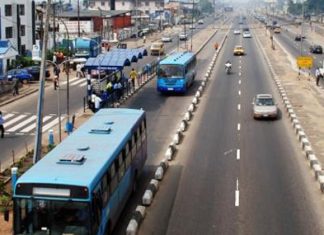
6,215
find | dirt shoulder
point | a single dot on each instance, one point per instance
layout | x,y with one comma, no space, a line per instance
306,98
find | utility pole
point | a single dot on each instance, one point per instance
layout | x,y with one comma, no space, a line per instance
40,104
54,25
79,34
192,22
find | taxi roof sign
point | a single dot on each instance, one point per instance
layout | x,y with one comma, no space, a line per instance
304,62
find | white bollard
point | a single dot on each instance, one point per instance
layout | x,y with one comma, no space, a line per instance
183,126
141,209
176,139
155,183
198,94
147,198
159,173
169,153
195,100
132,227
187,116
191,108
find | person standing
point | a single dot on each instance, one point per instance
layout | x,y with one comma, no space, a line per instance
15,88
1,125
133,76
78,70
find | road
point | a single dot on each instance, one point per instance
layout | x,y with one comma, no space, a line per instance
233,174
20,116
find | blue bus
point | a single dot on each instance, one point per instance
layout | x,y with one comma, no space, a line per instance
176,72
82,185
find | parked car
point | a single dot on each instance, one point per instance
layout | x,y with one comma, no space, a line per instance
20,74
183,36
238,50
316,49
264,106
35,71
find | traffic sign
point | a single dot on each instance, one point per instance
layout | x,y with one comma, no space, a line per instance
304,62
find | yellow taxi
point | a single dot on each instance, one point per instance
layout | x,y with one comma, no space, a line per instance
238,50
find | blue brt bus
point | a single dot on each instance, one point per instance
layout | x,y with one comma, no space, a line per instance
82,185
176,72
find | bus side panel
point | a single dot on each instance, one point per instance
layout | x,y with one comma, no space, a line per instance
125,188
110,213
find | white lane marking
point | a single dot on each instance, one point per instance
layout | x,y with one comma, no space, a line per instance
238,107
238,126
239,92
237,194
51,124
240,74
70,81
83,84
238,154
77,82
33,126
240,82
240,67
12,121
7,116
21,124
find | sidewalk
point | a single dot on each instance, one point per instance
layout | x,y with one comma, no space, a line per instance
25,90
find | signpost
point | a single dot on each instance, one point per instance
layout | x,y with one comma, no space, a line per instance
304,62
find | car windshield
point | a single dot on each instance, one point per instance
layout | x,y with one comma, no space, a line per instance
170,71
264,102
51,217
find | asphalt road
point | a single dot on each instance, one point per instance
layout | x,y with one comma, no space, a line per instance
234,174
15,142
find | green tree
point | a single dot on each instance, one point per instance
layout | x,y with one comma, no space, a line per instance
206,6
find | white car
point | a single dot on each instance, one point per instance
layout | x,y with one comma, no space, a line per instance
247,34
237,31
183,36
264,107
200,21
192,26
166,38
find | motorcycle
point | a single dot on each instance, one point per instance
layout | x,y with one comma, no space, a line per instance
228,68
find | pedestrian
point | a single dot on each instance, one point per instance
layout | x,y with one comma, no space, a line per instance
1,125
318,76
15,88
78,71
109,87
97,102
144,39
117,89
56,82
133,76
216,46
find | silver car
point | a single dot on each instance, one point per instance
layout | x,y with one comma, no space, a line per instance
264,107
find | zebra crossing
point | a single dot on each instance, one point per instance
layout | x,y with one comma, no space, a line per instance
25,123
81,82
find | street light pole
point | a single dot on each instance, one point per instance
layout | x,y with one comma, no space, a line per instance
39,126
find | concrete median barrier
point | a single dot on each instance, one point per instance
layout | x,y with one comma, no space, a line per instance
191,108
183,126
137,218
187,116
150,192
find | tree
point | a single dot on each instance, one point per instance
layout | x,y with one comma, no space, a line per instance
206,6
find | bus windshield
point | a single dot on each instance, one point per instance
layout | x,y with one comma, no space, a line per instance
170,71
51,217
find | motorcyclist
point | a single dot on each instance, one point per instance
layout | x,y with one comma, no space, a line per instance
228,66
216,46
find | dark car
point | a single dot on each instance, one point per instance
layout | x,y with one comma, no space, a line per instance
299,37
35,72
20,74
316,49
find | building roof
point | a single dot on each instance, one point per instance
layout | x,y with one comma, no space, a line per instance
6,50
93,13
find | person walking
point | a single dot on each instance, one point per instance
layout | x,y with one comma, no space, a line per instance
97,103
56,85
133,76
79,72
318,76
1,125
15,88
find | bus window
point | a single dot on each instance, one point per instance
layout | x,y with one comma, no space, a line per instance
113,179
139,138
120,166
143,130
127,156
134,145
105,189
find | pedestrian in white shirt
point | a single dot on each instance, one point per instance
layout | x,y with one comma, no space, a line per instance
97,101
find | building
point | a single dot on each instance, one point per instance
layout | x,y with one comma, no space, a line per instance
18,24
